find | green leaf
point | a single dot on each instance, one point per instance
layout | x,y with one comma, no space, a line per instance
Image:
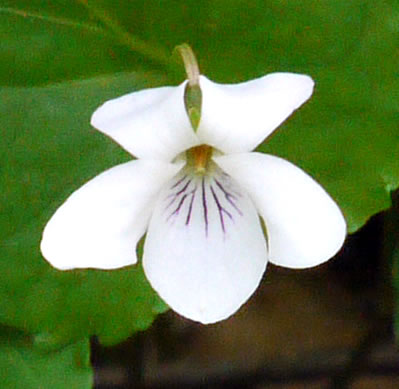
346,136
49,150
46,42
354,156
24,366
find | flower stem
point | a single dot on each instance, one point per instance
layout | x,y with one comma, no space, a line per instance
190,64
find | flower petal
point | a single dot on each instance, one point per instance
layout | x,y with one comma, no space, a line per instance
304,225
205,252
99,225
151,123
236,118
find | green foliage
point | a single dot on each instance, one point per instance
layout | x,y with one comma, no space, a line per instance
46,43
49,152
24,366
61,59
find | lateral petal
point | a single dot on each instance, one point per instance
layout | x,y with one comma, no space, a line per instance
100,224
304,225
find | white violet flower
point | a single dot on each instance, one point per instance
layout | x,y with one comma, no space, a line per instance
200,196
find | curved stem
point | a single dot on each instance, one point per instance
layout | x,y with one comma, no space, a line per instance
190,64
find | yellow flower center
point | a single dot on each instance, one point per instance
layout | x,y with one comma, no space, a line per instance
199,157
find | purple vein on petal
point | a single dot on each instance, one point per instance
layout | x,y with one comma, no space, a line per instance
221,210
190,207
176,195
179,182
205,206
177,209
231,198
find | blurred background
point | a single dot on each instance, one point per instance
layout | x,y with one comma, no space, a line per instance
328,327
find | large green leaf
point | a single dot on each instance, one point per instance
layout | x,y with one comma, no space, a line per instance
45,42
48,150
24,366
346,137
351,147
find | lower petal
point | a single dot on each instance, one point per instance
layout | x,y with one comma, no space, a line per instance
304,225
205,252
99,225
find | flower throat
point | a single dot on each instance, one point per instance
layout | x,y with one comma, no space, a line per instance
199,159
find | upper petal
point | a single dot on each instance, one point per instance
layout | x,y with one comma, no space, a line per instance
99,225
151,123
304,225
236,118
205,252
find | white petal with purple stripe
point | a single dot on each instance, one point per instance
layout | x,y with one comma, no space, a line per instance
205,252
